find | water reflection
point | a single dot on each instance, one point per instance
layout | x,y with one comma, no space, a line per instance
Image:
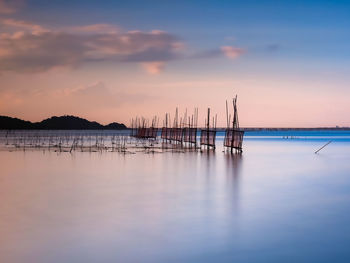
208,162
174,207
233,169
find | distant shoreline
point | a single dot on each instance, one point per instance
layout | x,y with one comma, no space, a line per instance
66,122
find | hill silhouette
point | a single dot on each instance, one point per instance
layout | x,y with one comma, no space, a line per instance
66,122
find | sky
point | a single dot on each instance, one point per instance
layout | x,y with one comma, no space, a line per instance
110,61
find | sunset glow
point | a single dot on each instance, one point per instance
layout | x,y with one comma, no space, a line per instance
288,63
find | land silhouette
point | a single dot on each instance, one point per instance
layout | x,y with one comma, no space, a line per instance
66,122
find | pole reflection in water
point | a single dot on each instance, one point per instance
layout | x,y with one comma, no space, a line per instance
233,168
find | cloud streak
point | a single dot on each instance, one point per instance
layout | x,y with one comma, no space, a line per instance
29,47
23,25
38,49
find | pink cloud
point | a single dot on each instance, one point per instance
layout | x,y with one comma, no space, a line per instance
232,52
153,67
23,25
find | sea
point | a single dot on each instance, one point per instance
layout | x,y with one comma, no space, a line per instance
277,201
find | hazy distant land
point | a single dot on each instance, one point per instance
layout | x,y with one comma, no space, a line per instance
57,123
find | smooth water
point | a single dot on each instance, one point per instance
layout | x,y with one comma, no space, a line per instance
277,202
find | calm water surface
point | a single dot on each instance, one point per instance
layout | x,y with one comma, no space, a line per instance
277,202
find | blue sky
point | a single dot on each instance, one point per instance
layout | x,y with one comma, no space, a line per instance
318,30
